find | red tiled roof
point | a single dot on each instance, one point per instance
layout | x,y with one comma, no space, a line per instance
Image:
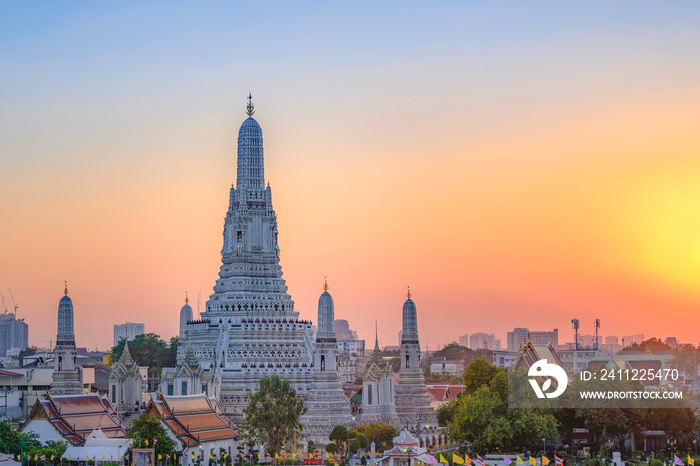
76,416
193,418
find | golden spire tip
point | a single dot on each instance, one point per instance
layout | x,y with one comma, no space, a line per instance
250,109
325,283
408,295
65,290
187,298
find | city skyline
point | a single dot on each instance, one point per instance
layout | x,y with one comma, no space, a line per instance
516,166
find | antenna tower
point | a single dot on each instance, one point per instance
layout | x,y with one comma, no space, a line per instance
574,324
597,326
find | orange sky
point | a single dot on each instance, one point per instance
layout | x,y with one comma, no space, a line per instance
521,187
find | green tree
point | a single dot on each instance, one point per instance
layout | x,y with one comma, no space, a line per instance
147,428
483,418
273,413
478,374
381,434
30,350
10,439
446,412
652,344
149,350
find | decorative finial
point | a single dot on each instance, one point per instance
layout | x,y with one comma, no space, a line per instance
187,298
65,290
325,283
250,109
408,295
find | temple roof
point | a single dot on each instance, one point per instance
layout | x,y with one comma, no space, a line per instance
77,416
193,418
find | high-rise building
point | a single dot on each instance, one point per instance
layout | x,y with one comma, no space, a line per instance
14,334
484,340
519,337
128,330
464,340
612,340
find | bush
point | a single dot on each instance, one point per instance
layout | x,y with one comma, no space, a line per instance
593,462
656,463
331,448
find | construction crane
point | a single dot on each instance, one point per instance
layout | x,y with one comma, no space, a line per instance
13,302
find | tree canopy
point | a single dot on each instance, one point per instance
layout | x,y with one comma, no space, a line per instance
482,416
381,434
149,350
273,413
145,429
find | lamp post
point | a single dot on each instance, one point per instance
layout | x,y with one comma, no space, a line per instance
672,443
544,446
21,451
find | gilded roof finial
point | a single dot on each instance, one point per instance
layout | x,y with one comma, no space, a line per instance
250,109
187,298
65,290
408,295
325,283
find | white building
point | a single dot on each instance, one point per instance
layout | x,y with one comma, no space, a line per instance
519,337
484,340
446,366
129,330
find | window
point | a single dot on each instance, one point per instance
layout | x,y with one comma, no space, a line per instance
170,389
114,394
184,388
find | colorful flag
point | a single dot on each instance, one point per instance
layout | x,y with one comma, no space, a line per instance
456,459
533,461
155,440
558,461
146,442
160,457
507,460
126,457
442,459
51,457
691,461
677,461
43,457
545,460
467,459
167,456
518,460
479,460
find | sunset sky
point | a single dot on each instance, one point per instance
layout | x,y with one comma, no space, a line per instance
515,163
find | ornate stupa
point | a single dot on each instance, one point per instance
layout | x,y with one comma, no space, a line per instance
185,316
328,405
66,378
249,328
412,399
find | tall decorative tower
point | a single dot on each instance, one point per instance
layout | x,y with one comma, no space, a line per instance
378,390
249,328
412,401
66,378
185,316
328,405
125,384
